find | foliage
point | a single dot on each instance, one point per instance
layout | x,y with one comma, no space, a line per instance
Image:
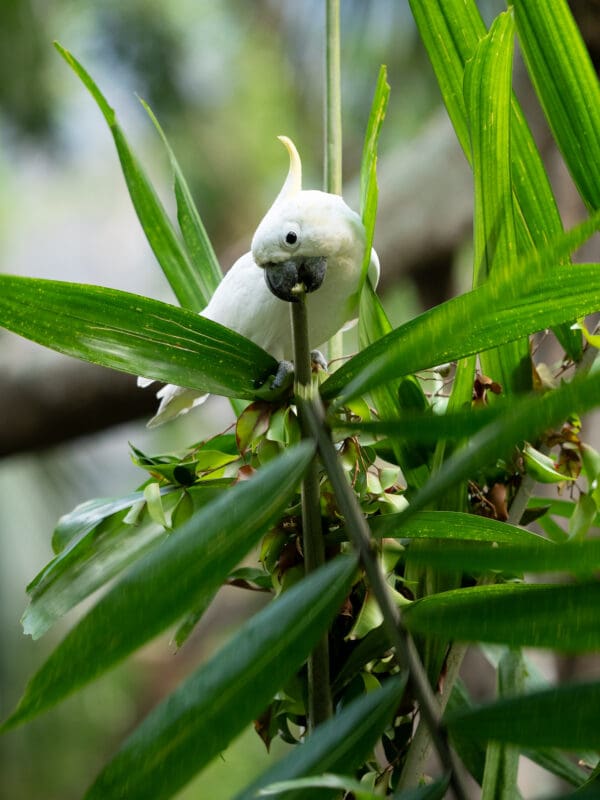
442,477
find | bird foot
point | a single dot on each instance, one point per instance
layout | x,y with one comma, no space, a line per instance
284,375
317,360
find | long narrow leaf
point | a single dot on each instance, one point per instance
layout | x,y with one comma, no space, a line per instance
341,744
197,721
425,428
487,89
567,85
184,278
564,618
133,334
160,588
576,557
194,233
451,30
389,401
369,192
453,525
565,717
94,558
494,315
502,760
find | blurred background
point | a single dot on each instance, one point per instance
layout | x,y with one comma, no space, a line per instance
224,79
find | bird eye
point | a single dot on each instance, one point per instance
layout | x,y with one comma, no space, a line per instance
291,237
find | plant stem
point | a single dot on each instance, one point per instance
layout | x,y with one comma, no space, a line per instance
332,179
404,647
333,100
320,705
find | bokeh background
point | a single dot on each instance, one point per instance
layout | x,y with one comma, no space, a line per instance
224,79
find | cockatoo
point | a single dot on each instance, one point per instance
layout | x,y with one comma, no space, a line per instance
306,236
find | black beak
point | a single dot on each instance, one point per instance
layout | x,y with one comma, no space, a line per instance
283,277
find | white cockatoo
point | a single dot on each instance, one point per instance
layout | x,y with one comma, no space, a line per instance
307,236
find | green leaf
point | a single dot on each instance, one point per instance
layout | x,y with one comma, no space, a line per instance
326,781
565,717
450,31
161,587
197,721
85,517
154,505
564,618
453,525
502,760
133,334
541,467
567,85
583,517
199,247
389,400
182,275
520,420
102,551
487,89
495,317
432,791
369,192
550,759
374,645
560,508
538,556
339,745
427,428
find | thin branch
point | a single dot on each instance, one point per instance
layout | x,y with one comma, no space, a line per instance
333,100
332,179
320,706
404,647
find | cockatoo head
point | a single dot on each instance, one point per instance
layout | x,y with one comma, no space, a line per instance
303,234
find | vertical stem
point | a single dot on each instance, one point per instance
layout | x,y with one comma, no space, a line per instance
333,100
320,705
401,640
332,179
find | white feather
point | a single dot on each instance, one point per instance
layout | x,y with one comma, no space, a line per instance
326,227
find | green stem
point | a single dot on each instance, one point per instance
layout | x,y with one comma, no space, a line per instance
320,706
332,179
404,647
333,100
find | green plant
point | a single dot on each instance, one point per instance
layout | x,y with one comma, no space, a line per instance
441,558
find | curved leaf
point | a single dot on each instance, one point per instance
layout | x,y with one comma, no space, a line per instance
161,587
133,334
452,525
194,234
565,717
183,276
199,719
98,554
487,89
580,558
369,192
495,317
424,427
564,618
567,85
339,745
451,31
